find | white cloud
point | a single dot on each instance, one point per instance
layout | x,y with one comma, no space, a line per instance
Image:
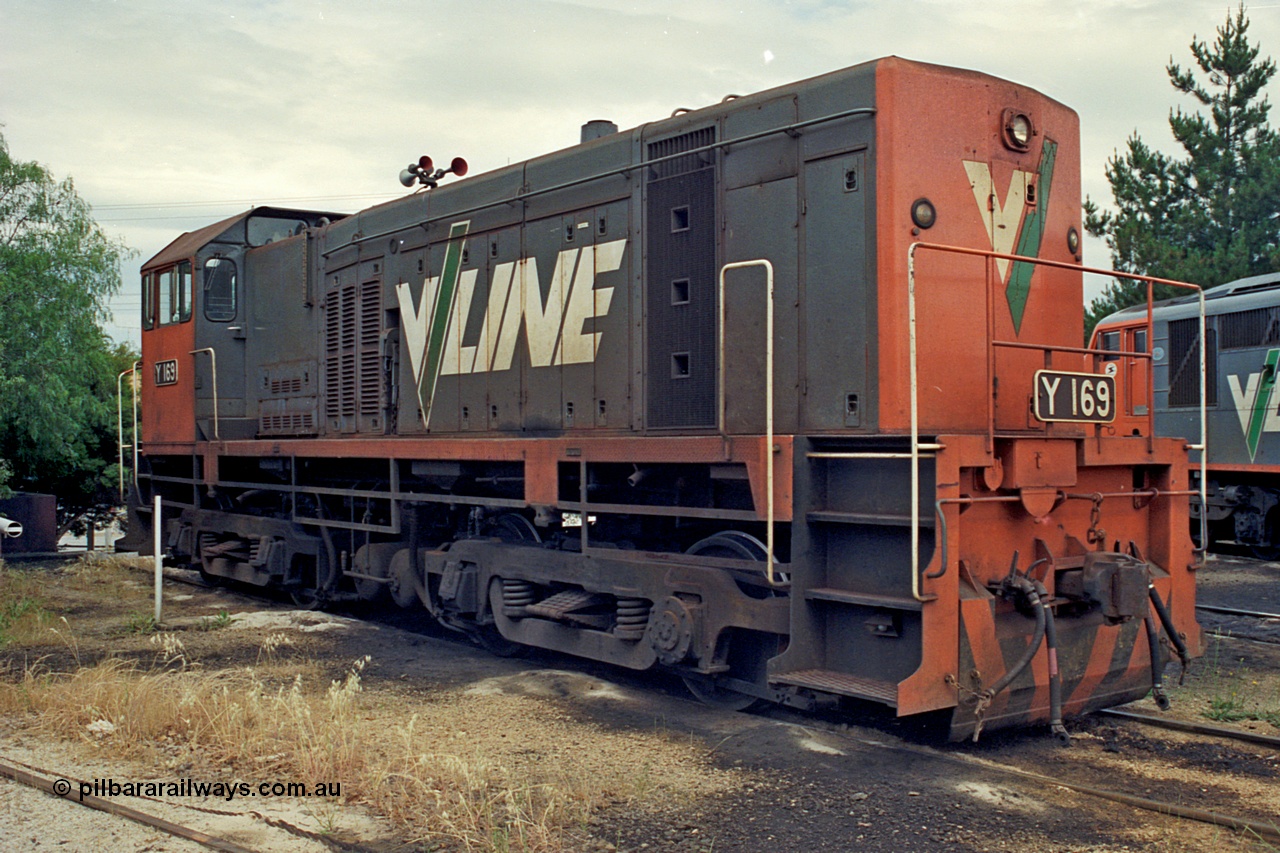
154,102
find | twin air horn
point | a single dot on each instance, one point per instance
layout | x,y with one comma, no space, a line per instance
422,172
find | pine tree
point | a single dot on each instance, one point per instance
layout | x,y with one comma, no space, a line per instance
1214,214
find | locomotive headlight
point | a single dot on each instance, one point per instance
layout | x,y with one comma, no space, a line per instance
923,213
1018,130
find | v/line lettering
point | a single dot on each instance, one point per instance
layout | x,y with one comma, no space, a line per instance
556,331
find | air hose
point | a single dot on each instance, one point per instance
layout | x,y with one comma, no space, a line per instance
1055,676
1157,665
1020,584
1174,637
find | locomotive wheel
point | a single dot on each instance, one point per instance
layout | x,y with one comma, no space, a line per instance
494,643
730,543
514,529
747,655
1269,548
488,636
403,582
736,545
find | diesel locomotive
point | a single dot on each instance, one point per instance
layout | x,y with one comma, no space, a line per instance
785,395
1242,345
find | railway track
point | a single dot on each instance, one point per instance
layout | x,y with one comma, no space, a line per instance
1265,831
69,789
1252,827
1192,727
1234,611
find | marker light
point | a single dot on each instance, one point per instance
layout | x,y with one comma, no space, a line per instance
923,213
1018,130
1073,240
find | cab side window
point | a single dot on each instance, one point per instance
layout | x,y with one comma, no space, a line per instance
166,296
1110,341
220,290
148,301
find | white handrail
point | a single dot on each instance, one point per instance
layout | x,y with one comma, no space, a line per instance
213,364
768,393
120,423
1203,446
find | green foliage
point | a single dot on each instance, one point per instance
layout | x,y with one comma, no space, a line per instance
214,623
1212,215
57,368
141,623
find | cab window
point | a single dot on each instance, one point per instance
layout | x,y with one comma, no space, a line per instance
170,295
148,300
1110,341
220,290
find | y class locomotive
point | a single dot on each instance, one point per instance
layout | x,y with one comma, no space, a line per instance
786,395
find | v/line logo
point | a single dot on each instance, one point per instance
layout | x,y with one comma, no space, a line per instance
1254,402
556,330
1010,232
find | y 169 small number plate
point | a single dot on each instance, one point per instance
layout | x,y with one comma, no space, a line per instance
167,372
1086,397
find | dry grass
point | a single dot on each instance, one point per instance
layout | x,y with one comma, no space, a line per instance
437,786
449,775
24,621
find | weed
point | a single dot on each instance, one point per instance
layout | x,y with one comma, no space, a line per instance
1233,701
271,645
171,650
214,623
21,618
141,623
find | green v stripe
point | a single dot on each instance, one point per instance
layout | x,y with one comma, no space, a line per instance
1262,402
1030,236
443,309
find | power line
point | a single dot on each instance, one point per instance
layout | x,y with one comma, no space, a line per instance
144,205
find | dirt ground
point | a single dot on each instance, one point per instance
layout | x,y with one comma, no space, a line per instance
639,765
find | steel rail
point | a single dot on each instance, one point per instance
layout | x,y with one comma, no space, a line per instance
1268,832
1192,727
1235,611
34,780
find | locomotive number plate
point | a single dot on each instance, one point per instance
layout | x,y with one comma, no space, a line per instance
167,372
1086,397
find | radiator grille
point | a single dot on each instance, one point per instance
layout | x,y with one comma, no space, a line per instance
678,144
1184,363
286,387
288,423
353,361
1257,327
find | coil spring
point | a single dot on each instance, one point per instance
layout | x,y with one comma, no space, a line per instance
516,595
632,618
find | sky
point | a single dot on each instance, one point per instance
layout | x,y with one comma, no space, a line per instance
172,114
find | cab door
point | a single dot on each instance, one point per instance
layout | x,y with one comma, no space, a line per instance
1137,372
1125,360
168,337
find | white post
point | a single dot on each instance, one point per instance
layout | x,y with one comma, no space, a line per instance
155,531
